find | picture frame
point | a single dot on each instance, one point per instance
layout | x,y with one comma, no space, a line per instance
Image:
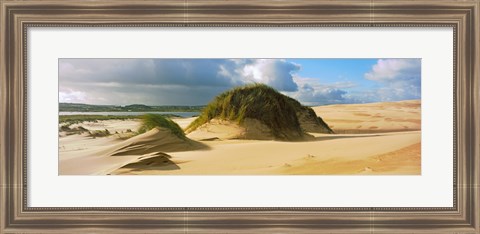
17,16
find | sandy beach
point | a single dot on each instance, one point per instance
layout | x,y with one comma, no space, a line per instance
376,138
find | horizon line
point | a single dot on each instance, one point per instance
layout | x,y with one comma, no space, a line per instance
207,103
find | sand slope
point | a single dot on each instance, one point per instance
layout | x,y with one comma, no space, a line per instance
102,155
80,155
365,154
372,117
250,129
217,129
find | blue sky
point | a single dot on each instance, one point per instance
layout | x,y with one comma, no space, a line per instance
334,69
338,70
197,81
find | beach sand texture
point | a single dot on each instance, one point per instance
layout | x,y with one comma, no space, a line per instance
376,138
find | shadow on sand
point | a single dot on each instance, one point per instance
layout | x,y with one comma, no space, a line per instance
333,137
160,162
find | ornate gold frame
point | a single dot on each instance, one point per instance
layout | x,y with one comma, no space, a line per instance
17,16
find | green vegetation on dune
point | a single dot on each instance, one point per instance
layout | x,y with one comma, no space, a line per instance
70,131
100,133
150,121
256,101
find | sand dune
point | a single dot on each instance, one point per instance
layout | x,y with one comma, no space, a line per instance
344,154
81,155
372,117
377,138
153,141
326,155
101,155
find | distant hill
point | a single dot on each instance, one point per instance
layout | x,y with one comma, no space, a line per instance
258,112
77,107
138,107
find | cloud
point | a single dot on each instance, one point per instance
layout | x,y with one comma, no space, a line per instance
395,69
194,72
105,81
388,80
71,96
400,79
189,72
309,96
197,81
273,72
313,92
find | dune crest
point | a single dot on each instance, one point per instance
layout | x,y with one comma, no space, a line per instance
155,140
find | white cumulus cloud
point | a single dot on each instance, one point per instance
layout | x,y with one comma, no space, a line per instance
400,79
395,69
276,73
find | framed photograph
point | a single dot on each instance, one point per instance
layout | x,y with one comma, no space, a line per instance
240,116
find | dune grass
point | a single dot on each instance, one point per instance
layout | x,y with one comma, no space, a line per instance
70,131
150,121
99,133
255,101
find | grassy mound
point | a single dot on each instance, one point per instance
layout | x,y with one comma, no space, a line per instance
150,121
256,101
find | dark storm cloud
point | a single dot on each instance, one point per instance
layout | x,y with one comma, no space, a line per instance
165,81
